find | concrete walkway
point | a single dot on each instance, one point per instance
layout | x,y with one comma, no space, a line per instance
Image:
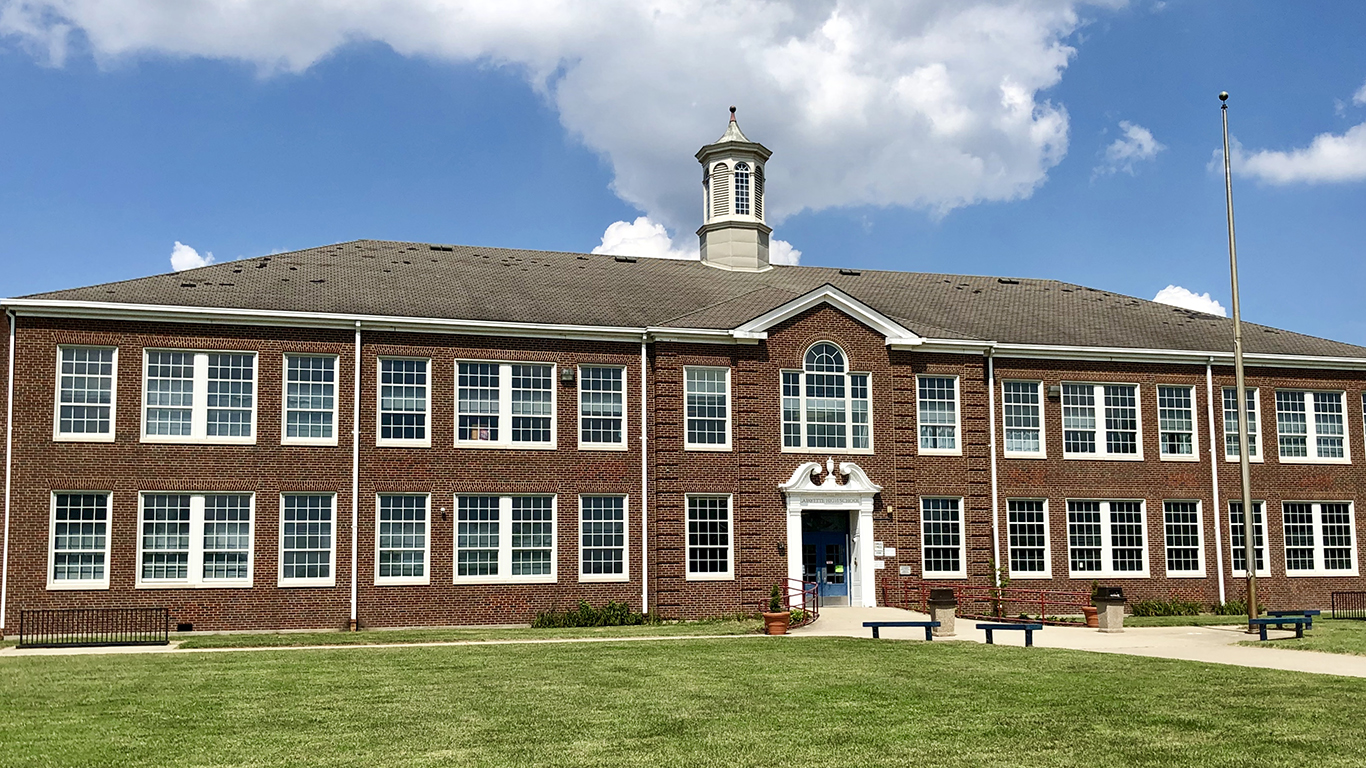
1215,645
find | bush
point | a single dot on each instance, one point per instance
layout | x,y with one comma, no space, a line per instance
613,614
1165,608
775,598
1234,608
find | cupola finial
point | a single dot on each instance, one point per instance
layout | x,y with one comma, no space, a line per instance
732,113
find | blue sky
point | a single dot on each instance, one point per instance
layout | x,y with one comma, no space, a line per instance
128,128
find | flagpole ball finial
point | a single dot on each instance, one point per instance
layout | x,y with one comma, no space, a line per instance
1223,95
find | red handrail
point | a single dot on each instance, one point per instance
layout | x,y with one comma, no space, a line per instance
799,595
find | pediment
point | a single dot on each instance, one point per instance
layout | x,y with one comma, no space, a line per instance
851,480
829,294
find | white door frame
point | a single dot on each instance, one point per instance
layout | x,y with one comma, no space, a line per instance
855,494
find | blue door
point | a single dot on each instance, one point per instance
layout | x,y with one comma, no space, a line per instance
825,554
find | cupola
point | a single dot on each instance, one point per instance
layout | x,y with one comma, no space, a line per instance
733,234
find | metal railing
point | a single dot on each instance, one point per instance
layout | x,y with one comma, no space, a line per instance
94,626
800,596
1349,605
999,603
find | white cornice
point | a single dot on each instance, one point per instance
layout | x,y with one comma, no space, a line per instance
1129,354
829,294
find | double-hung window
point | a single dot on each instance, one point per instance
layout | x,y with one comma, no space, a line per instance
1310,426
1320,538
602,407
403,408
86,385
937,398
310,400
1231,443
195,540
505,539
942,537
1027,531
710,551
1238,544
403,541
1106,538
1022,418
307,540
1182,531
1101,421
205,397
825,407
602,538
708,408
79,555
505,404
1176,422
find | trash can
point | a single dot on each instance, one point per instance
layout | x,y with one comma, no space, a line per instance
1110,608
942,605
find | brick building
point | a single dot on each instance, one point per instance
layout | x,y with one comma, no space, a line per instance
402,434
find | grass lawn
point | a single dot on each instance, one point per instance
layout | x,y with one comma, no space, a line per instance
377,637
1328,636
1203,620
738,702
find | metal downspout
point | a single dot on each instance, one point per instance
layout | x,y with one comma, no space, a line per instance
355,481
644,486
1214,475
9,466
995,497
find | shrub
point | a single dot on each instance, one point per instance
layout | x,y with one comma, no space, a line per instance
797,616
613,614
1234,608
1165,608
775,598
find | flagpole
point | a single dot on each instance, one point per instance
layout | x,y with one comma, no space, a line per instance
1249,530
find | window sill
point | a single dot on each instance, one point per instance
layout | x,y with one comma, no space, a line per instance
297,584
403,443
1182,459
244,584
602,447
1091,575
83,438
939,452
392,582
1234,460
707,448
331,443
181,440
940,575
1031,576
1303,460
710,577
472,581
490,445
832,451
74,586
1023,455
1100,457
1243,574
1319,574
1186,574
616,578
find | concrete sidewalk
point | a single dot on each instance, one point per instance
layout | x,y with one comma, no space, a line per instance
1215,645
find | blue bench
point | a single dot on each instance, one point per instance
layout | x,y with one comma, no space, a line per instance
1308,614
1299,622
928,625
1028,629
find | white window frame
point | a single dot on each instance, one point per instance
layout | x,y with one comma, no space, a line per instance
625,574
79,584
730,413
962,571
920,417
505,521
1102,446
284,401
1254,426
1107,546
1311,425
85,437
625,409
1194,455
1042,453
1047,572
505,414
849,372
331,580
729,573
195,565
399,581
1317,523
425,442
1199,572
199,407
1266,538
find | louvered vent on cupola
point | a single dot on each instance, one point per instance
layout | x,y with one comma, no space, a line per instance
720,190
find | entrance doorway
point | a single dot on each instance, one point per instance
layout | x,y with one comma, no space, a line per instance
825,554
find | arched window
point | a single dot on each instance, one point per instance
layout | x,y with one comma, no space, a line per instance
759,192
742,188
720,193
706,194
824,406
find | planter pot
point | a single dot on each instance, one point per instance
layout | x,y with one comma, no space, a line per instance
1092,615
776,623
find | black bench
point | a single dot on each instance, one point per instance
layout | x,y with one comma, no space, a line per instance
928,625
1300,622
1028,629
1307,613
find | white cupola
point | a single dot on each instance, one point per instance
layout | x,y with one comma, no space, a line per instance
733,234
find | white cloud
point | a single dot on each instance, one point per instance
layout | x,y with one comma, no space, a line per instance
184,257
1328,158
1177,296
913,103
651,240
1360,96
1135,144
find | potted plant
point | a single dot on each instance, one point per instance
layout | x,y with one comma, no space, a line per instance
1091,612
776,619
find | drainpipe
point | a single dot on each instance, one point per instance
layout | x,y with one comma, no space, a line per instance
9,468
355,478
1214,474
644,488
995,497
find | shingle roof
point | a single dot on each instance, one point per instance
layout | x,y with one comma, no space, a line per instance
419,280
